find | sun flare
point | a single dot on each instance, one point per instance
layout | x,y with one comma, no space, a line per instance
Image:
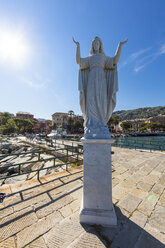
12,47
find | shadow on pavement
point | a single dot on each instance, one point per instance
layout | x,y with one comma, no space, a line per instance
127,234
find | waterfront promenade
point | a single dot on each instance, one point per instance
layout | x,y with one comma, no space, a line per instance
45,213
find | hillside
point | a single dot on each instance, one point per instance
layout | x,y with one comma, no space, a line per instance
140,113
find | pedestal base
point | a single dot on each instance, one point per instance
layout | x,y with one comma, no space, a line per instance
98,217
97,207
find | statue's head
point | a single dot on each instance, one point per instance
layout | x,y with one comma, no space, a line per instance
96,46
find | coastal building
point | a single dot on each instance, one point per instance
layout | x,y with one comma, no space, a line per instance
24,115
43,126
137,124
117,127
59,120
156,119
129,124
65,120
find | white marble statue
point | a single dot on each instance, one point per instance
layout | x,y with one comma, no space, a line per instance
98,84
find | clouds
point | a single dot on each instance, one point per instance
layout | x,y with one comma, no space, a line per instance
35,85
35,82
143,58
134,56
144,61
139,53
162,49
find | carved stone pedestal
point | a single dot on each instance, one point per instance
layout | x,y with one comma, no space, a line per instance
97,207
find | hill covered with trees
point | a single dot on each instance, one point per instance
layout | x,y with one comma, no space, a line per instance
139,113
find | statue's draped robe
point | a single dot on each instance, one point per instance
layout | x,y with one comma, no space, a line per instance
98,84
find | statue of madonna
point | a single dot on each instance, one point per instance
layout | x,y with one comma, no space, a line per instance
98,84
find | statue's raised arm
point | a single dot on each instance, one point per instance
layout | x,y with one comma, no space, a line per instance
77,51
118,52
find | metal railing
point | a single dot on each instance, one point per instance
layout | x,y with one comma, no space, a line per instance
55,142
73,152
140,143
125,142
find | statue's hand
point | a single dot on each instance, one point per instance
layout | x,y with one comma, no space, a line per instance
76,42
124,42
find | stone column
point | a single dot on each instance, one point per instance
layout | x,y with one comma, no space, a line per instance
97,207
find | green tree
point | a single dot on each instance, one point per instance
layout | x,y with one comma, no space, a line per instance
71,116
4,117
153,126
77,126
29,125
126,125
9,127
113,121
24,125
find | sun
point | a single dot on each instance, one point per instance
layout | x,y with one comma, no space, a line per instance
13,47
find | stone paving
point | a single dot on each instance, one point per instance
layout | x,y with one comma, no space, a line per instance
45,213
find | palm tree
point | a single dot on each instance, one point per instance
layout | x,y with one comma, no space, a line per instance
71,113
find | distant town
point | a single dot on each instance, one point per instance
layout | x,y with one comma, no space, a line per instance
24,122
70,123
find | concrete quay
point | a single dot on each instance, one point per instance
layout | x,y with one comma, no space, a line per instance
45,213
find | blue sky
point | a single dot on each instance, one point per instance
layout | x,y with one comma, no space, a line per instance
42,78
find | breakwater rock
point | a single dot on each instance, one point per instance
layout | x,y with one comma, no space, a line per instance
14,152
